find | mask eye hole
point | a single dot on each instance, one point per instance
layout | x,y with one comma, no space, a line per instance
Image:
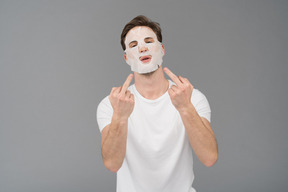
133,44
149,40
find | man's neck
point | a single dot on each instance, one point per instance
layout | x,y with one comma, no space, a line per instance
153,85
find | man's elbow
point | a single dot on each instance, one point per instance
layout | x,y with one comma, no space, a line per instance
111,166
211,161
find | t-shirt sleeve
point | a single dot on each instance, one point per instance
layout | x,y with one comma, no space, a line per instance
104,113
201,104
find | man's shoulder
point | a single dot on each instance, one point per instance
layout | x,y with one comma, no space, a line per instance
197,93
104,104
105,100
198,97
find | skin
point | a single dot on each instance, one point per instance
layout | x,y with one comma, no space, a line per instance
152,86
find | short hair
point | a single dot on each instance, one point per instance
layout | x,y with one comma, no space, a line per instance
141,20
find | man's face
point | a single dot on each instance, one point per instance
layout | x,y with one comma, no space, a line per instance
143,51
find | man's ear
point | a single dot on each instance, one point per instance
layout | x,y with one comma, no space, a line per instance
125,56
163,49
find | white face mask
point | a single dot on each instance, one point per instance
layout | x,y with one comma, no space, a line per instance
143,51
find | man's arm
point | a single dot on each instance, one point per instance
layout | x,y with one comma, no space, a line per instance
114,135
199,131
200,134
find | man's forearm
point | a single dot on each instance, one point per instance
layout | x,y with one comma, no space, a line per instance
202,139
114,144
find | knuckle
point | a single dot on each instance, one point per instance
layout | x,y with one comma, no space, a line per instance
114,88
120,97
111,96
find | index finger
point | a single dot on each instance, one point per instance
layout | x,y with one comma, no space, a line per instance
127,83
172,76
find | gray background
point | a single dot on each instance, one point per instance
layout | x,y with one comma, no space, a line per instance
59,59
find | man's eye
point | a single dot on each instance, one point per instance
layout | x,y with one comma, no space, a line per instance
133,45
149,41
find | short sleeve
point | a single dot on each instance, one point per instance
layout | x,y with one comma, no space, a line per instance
201,104
104,113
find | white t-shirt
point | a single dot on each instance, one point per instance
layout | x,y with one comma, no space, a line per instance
158,153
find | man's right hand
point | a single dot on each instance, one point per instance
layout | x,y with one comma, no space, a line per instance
122,100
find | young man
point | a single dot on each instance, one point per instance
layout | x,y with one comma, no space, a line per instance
150,128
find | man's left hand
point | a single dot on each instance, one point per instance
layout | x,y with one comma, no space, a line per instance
181,93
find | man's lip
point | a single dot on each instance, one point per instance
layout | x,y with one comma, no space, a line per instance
145,58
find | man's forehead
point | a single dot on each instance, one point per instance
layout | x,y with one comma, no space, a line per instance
139,32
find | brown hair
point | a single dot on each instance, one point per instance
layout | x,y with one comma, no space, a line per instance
140,20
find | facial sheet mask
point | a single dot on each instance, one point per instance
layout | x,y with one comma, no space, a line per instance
142,49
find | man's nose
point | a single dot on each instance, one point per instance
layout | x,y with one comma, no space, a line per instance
143,49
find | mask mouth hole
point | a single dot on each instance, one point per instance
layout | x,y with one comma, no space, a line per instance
144,58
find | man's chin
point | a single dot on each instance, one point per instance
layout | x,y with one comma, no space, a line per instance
150,73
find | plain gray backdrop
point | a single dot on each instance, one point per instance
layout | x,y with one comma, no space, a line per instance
59,59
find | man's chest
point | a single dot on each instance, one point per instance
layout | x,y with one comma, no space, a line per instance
155,127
